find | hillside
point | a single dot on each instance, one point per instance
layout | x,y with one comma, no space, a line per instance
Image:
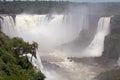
13,67
36,7
45,7
111,52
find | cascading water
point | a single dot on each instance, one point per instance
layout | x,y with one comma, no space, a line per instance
96,47
53,31
8,26
48,31
36,62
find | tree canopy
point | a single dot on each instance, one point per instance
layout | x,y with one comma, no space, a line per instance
13,67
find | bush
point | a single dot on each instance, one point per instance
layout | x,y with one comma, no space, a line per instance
13,67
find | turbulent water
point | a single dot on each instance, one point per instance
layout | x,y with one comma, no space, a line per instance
52,32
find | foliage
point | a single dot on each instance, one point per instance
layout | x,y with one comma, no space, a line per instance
112,43
111,51
13,67
110,75
38,7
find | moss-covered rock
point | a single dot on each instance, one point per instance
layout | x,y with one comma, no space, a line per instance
111,51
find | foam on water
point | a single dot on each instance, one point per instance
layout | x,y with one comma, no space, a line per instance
53,31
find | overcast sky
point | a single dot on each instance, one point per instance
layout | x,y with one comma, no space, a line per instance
94,0
76,0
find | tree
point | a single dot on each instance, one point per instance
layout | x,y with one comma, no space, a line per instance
34,47
13,67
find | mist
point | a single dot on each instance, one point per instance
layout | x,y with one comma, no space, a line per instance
80,33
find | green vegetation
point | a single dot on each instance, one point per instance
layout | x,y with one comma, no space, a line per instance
37,7
110,75
112,41
111,52
46,7
13,67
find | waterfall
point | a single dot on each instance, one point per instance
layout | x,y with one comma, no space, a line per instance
47,31
8,26
53,31
36,62
96,47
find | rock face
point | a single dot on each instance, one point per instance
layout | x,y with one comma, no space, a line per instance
111,52
111,44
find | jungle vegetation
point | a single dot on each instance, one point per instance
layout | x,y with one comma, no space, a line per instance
12,66
32,7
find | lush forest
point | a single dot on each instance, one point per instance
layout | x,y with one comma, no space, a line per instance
32,7
45,7
13,66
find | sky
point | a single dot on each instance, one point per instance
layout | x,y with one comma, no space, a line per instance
94,0
77,0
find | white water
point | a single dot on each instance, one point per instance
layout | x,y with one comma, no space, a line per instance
35,61
96,47
8,26
54,31
47,31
